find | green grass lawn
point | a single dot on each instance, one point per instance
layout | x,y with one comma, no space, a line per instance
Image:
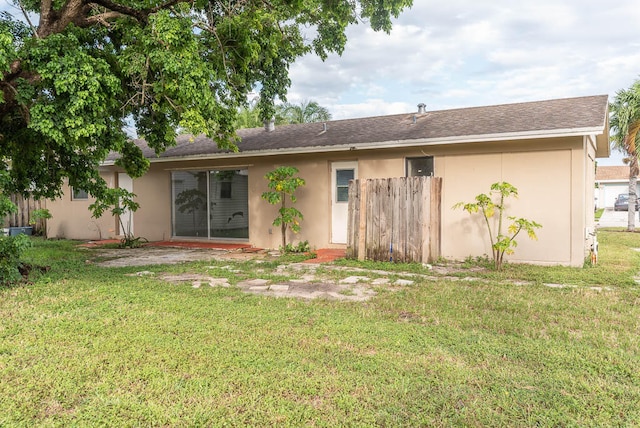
599,213
86,346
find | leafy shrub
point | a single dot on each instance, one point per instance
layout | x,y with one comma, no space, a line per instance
130,241
40,214
11,248
301,247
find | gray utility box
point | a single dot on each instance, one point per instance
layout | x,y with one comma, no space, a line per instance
27,230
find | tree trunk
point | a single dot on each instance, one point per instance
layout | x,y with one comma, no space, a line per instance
633,198
283,227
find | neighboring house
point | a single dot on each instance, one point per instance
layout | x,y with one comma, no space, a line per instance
610,182
546,149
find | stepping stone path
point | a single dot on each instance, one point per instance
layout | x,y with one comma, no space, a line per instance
304,280
293,288
305,284
196,280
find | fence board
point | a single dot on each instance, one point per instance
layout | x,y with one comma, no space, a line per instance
396,224
406,217
370,214
362,226
395,219
20,218
386,220
436,211
425,226
414,219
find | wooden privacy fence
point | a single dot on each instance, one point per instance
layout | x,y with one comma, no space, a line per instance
395,219
22,215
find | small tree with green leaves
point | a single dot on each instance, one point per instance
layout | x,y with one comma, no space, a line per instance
41,214
501,243
283,184
119,202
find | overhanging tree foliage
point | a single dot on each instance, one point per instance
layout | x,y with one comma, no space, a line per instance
625,124
74,71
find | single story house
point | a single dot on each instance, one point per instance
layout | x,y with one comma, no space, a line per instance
546,149
610,182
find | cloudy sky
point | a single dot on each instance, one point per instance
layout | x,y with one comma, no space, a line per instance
461,53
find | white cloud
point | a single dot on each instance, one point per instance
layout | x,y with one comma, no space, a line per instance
466,53
463,52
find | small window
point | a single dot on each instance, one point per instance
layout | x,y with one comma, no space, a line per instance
225,190
79,195
420,167
343,176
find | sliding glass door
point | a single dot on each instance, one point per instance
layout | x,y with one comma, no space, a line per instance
190,203
229,204
210,204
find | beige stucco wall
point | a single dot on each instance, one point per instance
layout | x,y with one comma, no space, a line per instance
153,192
153,219
543,197
552,182
313,202
72,219
554,178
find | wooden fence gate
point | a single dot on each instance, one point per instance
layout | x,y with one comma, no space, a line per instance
395,219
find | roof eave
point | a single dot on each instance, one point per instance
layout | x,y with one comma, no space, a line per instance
603,144
613,180
598,132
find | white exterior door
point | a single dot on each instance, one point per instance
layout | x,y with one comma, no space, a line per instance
125,225
341,174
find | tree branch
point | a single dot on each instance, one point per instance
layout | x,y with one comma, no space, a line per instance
26,17
23,108
52,21
168,5
124,10
104,18
46,12
142,15
79,12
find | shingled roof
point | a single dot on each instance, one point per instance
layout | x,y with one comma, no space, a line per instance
560,117
612,173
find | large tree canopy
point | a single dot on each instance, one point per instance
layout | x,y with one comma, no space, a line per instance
74,71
